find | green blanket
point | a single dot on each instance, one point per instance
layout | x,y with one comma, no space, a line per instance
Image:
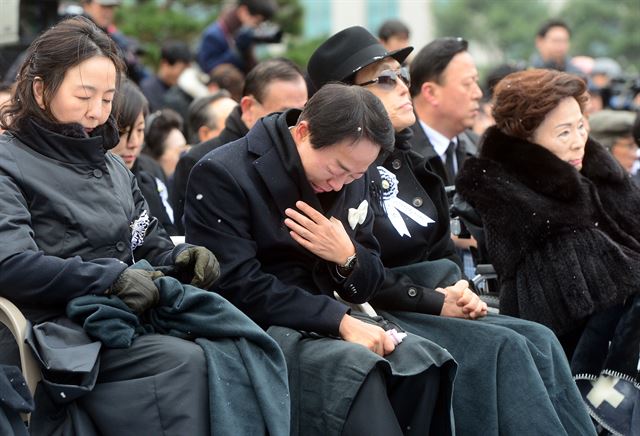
248,385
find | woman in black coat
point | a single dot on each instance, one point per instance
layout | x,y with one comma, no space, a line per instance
562,224
72,220
499,357
131,109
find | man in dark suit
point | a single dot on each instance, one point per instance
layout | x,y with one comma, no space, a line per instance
272,86
446,98
286,210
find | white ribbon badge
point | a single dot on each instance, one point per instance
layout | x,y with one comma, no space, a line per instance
139,230
394,205
358,215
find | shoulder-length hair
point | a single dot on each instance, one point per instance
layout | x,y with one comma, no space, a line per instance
49,57
522,100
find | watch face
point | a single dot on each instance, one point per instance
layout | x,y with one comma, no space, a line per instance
350,263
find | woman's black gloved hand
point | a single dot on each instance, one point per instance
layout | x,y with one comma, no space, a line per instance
201,264
136,288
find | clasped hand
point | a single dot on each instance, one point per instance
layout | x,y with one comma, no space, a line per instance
462,302
324,237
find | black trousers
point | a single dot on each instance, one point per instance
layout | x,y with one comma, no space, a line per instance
157,386
389,406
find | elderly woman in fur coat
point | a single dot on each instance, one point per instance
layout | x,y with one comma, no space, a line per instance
562,224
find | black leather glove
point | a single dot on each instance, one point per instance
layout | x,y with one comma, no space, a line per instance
201,264
136,288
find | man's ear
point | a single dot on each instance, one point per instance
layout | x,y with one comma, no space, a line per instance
205,133
301,130
246,104
38,91
430,92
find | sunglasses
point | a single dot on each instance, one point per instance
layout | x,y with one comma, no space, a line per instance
388,79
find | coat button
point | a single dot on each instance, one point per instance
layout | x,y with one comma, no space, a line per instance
120,246
97,173
396,164
412,292
417,202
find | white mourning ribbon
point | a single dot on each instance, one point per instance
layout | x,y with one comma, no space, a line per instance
358,215
139,230
393,205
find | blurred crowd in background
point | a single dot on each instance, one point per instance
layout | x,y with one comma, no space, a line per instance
196,84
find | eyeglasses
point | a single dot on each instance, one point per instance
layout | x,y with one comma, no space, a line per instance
388,79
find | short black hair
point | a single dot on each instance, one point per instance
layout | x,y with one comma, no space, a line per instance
339,112
158,126
228,77
269,71
175,51
432,60
200,114
550,24
266,8
128,103
391,28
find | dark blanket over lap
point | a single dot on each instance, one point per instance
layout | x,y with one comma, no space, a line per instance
325,375
247,372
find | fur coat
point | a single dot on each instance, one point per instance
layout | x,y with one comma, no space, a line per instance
565,243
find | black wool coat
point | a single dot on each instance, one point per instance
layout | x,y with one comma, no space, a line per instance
421,188
235,203
565,243
234,129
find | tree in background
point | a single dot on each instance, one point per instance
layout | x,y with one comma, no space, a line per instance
152,22
507,28
605,29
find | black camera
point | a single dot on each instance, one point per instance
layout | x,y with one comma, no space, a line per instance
621,92
267,33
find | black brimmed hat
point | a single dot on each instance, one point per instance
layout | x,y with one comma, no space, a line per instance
347,52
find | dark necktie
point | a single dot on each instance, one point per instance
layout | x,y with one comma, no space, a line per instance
448,164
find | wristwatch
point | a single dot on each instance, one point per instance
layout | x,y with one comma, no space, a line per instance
345,269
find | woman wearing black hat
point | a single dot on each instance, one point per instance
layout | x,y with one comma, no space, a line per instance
499,357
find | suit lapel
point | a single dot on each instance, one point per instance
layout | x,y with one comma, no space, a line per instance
420,142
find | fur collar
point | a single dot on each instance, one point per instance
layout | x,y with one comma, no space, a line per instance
542,171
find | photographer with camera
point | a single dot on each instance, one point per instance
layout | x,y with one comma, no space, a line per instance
231,38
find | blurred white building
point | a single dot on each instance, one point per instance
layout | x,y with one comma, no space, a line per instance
323,18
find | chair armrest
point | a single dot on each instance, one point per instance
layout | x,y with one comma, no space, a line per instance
11,316
364,307
485,269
